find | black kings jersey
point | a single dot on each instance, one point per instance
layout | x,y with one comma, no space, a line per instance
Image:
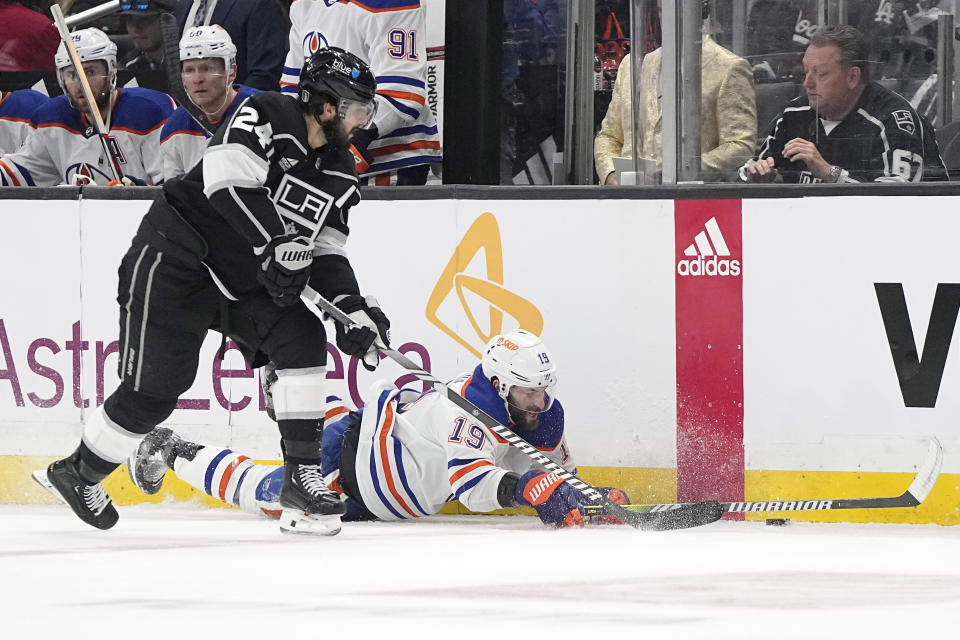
882,139
259,179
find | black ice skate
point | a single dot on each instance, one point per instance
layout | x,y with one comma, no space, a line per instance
308,505
156,454
89,501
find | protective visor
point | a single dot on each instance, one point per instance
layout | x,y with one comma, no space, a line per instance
532,399
355,112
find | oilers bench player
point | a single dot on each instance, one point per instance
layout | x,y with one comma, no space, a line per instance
208,68
62,149
407,454
230,246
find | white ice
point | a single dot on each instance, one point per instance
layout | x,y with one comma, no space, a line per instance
190,572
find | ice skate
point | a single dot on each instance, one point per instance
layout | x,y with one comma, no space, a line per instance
309,507
89,501
155,455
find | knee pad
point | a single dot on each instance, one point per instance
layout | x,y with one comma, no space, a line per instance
136,411
298,394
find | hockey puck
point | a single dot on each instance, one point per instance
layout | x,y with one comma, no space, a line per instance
777,522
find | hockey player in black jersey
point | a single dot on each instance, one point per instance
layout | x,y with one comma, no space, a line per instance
230,246
846,128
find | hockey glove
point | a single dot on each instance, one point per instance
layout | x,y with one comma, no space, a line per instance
359,147
285,269
557,503
370,331
617,496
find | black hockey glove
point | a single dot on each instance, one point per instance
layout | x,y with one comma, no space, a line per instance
371,331
285,269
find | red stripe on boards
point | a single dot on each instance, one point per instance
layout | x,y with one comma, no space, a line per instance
709,299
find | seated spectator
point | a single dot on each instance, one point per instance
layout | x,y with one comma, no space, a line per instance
16,117
146,59
846,128
256,28
208,67
28,38
404,141
64,148
728,115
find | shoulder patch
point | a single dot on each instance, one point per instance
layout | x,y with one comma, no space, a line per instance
904,120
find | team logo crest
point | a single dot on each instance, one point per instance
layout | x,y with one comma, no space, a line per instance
313,42
904,120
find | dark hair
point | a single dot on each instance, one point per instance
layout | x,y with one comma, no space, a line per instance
849,42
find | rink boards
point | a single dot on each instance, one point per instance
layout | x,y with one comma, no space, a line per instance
706,348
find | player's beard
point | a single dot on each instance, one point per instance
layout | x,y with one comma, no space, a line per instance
337,139
102,98
524,420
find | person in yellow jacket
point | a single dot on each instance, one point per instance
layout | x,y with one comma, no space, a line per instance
728,115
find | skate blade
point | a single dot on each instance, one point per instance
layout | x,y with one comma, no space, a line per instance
299,522
40,476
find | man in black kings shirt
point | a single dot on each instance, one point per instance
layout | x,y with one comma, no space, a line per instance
846,128
230,246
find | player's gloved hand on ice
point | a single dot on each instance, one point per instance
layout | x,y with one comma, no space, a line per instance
359,144
617,496
556,502
285,269
371,331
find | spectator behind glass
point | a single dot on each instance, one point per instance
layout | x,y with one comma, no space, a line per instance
64,148
256,28
146,59
728,114
207,68
16,117
846,128
28,37
403,142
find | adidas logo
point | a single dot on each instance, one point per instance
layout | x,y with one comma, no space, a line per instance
708,254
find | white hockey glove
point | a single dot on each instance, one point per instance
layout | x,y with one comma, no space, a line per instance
370,333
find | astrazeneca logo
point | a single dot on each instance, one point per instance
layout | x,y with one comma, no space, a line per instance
477,293
708,254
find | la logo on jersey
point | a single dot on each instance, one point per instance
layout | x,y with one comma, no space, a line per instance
708,254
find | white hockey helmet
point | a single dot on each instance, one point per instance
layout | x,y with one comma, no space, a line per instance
211,41
91,44
520,359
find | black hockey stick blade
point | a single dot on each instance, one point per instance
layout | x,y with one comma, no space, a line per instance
685,516
920,488
691,515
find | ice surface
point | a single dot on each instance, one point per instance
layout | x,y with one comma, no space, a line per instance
188,572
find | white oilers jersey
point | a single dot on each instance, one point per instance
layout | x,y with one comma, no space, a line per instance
389,36
16,117
182,139
413,457
65,148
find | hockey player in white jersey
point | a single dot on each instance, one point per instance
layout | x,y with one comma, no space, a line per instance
16,117
208,67
389,35
407,454
65,149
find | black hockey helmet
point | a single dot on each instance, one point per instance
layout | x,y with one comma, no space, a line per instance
336,76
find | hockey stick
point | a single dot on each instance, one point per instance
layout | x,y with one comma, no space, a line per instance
918,491
680,517
101,128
